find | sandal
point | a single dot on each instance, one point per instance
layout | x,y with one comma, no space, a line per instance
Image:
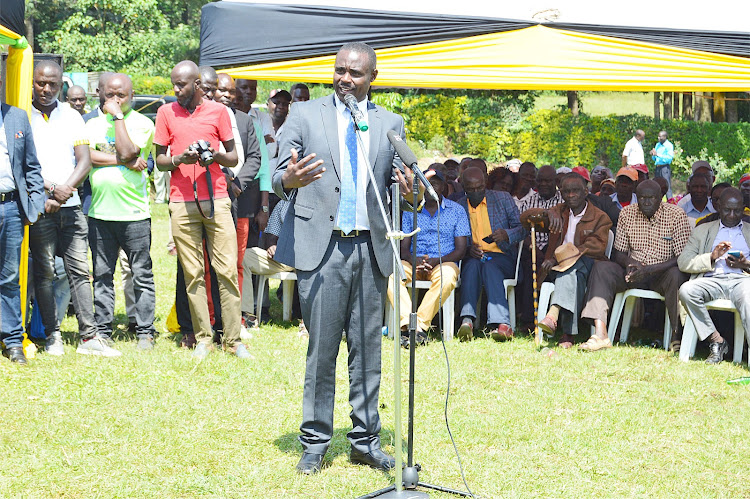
595,343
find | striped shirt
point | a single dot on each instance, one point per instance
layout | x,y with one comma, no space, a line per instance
537,201
655,240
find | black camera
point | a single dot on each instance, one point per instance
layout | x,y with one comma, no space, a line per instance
202,148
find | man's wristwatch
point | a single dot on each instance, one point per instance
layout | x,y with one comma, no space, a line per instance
118,116
52,189
264,209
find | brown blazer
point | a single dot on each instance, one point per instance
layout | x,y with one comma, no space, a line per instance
591,233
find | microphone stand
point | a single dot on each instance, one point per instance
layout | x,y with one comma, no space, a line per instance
408,477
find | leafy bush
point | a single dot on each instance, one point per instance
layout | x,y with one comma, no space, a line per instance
152,85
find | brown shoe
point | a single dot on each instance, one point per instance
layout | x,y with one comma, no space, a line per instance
566,341
548,325
502,333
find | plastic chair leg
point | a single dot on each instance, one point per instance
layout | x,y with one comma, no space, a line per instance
262,281
626,318
512,306
449,321
287,294
689,340
614,317
739,339
667,331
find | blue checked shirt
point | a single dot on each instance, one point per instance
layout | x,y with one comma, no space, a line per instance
454,222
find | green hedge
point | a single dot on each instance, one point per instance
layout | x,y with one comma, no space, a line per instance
498,128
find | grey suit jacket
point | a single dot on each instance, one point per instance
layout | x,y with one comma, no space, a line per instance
27,171
695,259
306,231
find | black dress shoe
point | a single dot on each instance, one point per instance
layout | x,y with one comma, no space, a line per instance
718,350
309,464
15,354
375,458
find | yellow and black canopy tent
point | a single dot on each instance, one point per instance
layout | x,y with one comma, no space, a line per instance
18,78
438,51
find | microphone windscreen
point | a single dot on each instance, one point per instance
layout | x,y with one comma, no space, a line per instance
403,150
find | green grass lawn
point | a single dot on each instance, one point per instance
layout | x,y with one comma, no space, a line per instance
603,103
627,422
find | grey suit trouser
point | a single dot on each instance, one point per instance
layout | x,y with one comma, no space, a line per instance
695,293
345,293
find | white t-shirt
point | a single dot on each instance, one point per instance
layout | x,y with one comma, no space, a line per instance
634,152
55,138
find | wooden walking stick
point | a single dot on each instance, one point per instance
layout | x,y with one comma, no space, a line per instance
537,329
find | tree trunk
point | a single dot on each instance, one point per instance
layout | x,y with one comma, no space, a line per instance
719,107
29,24
657,106
687,106
667,105
698,106
731,107
573,102
676,106
706,107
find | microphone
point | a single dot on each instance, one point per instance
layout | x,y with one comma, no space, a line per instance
410,159
359,119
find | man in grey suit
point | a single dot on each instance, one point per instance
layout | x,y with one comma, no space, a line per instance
334,235
21,200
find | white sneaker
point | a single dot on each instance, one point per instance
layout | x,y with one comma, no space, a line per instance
55,345
96,346
245,334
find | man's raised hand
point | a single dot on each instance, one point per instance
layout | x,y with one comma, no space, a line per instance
300,173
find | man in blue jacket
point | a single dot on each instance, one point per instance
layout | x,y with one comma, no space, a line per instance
21,201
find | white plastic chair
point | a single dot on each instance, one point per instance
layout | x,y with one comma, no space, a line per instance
449,307
548,288
510,289
625,301
690,335
287,280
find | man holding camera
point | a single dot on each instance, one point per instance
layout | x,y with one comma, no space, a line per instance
192,128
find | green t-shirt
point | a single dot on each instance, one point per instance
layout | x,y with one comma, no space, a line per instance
117,192
264,175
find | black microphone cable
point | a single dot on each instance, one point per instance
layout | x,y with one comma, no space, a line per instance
447,360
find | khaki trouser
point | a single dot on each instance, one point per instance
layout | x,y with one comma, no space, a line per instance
257,262
431,302
221,241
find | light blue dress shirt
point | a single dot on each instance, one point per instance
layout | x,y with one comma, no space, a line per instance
664,153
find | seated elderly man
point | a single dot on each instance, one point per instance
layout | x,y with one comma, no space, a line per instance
625,184
493,249
578,233
717,257
448,240
260,262
649,237
699,205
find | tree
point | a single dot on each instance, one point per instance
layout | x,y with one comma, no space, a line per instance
134,36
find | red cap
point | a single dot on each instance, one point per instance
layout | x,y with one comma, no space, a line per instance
583,172
641,168
744,178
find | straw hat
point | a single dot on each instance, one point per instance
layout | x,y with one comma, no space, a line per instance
566,255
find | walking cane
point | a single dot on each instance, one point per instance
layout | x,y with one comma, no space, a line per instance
537,329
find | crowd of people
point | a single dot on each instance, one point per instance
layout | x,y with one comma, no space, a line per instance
111,152
254,193
573,213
